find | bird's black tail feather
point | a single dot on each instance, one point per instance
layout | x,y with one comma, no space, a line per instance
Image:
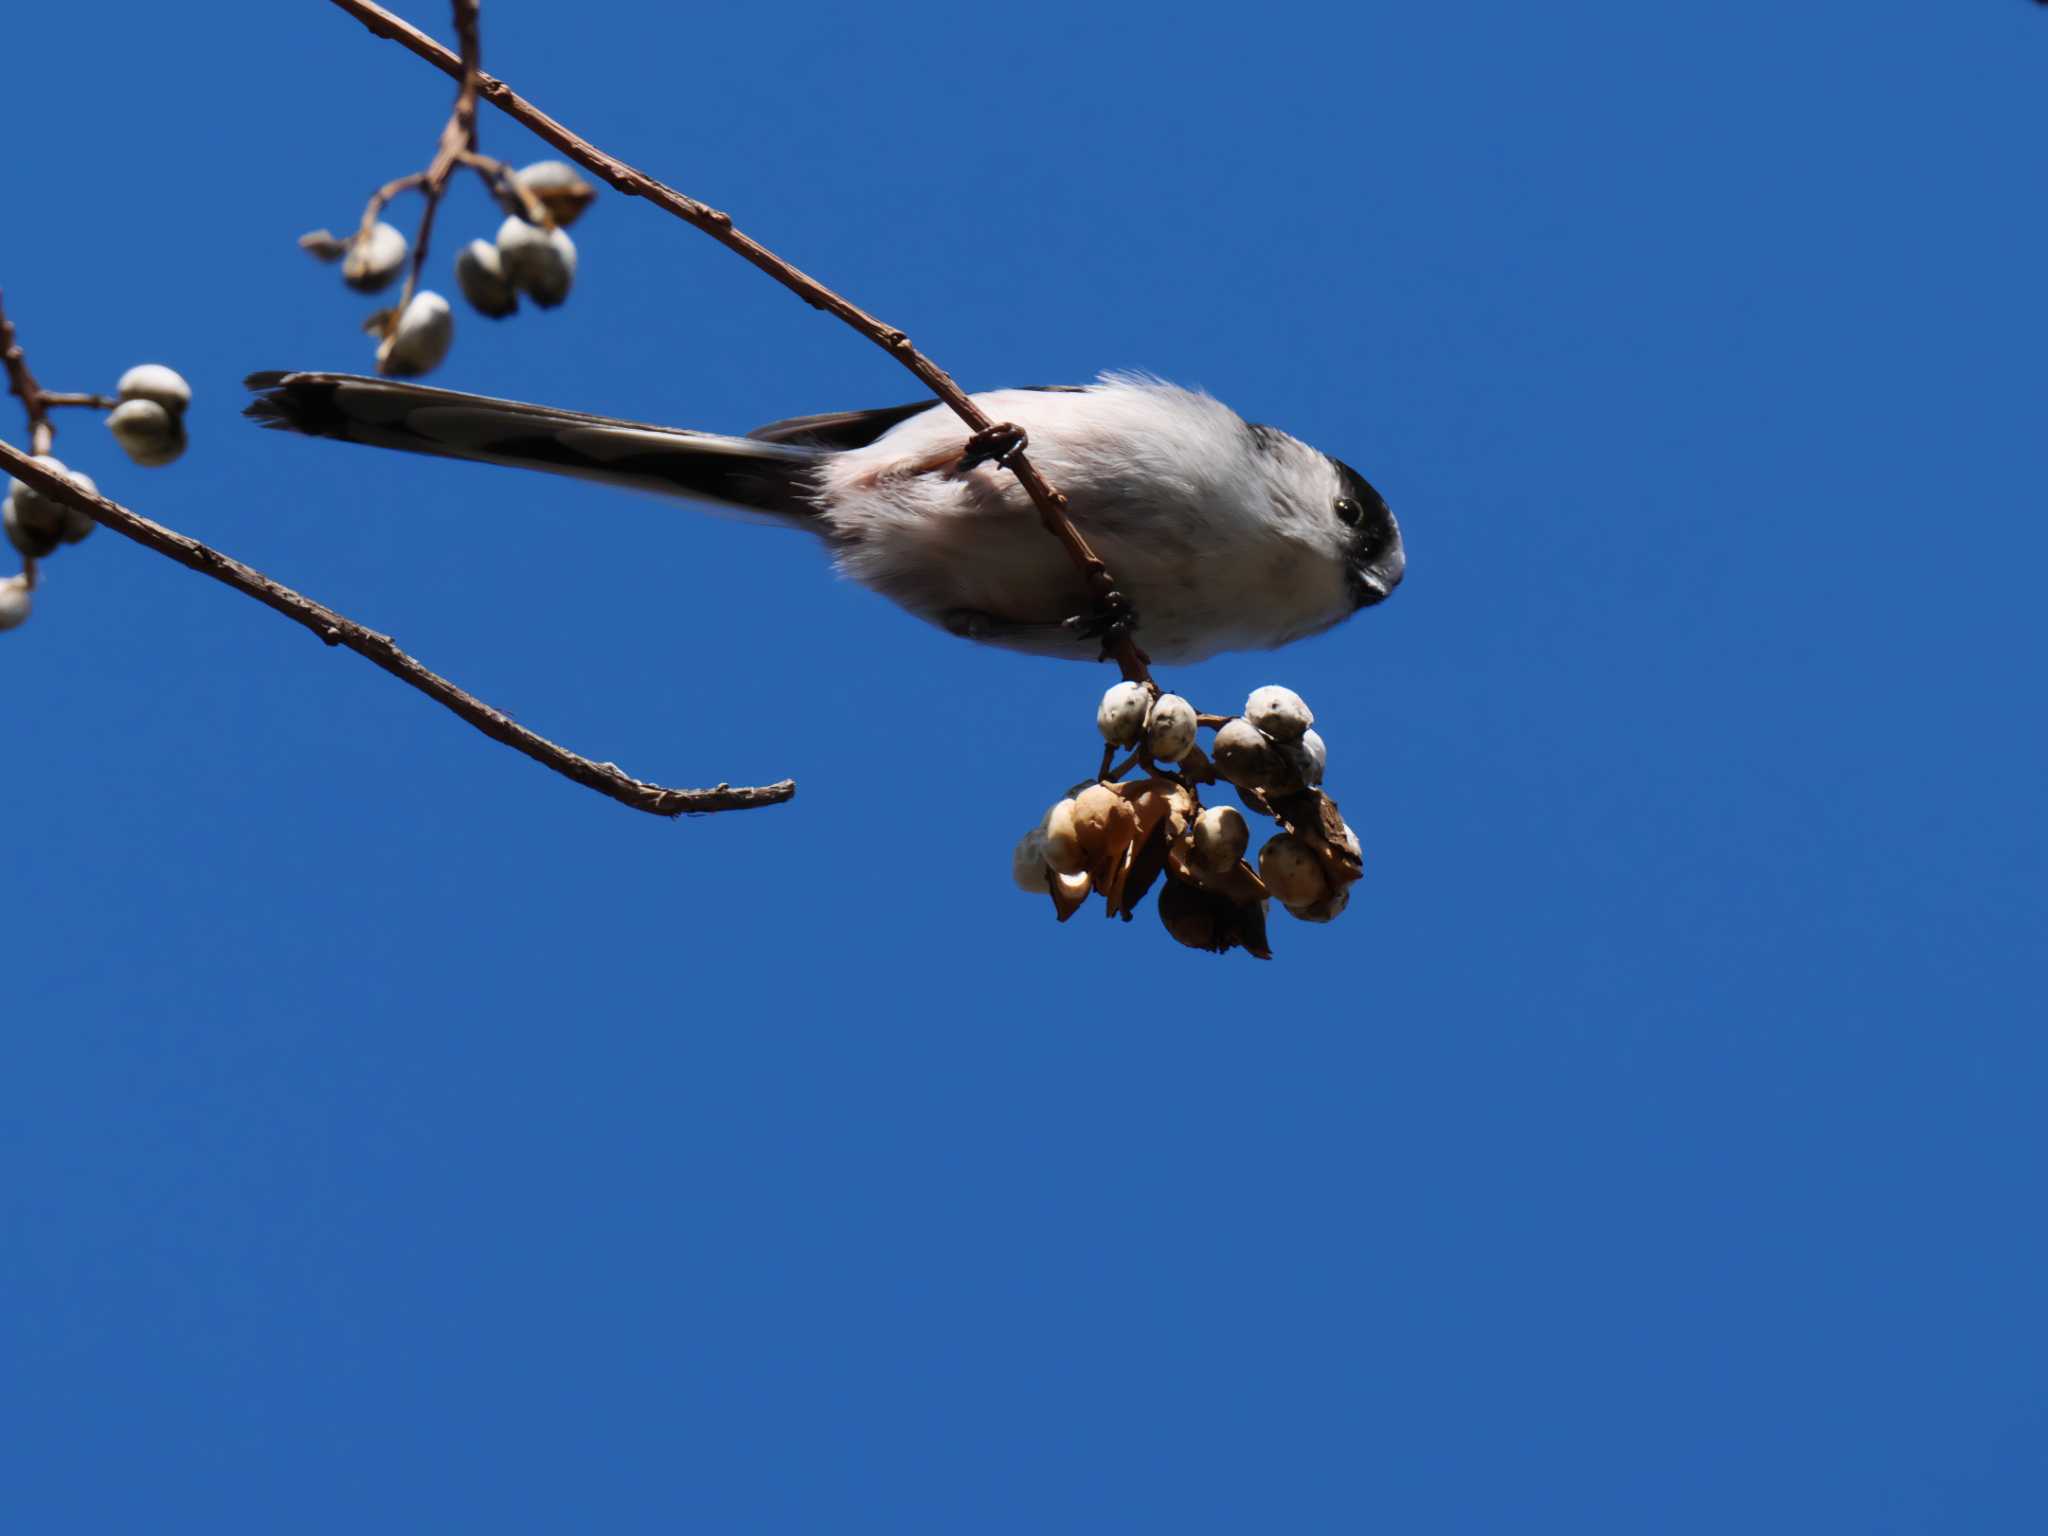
737,472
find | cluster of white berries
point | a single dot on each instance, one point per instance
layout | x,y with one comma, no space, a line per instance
537,260
1129,714
36,525
1114,839
148,422
1272,745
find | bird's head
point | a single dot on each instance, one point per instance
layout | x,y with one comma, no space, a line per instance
1374,559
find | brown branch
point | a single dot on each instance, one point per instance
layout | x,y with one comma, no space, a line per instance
380,650
21,382
1052,506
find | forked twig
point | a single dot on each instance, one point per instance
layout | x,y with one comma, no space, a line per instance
332,627
1052,506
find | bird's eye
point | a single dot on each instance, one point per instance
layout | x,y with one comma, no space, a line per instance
1349,512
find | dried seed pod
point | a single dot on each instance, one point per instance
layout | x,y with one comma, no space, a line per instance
1307,757
153,381
1279,712
1162,808
1062,841
419,338
558,188
15,601
1150,804
1158,799
1244,756
374,258
541,263
1068,894
480,274
1350,841
1194,917
148,433
1121,714
1325,910
1221,837
1170,728
1292,871
1027,864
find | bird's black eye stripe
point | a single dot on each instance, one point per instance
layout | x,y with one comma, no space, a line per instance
1349,512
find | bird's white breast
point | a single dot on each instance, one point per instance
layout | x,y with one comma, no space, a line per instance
1163,482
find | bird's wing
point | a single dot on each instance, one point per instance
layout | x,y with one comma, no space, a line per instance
839,429
856,429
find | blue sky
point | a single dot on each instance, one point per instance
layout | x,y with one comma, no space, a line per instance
399,1137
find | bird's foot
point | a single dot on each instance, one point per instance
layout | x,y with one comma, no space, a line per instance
1114,621
997,445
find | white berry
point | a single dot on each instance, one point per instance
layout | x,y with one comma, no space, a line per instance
1279,712
1170,728
153,381
1309,757
420,339
1121,714
1221,837
374,259
480,274
1244,756
36,523
78,524
1292,872
147,433
559,188
34,538
15,601
541,263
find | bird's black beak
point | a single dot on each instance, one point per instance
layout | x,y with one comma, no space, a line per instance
1374,577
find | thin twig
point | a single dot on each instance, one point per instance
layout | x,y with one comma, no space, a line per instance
458,138
21,382
1052,506
34,400
380,650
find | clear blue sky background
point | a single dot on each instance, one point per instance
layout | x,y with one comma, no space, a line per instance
396,1137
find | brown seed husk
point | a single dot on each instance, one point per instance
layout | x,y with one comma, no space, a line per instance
1196,918
1152,804
1148,858
1106,826
1313,817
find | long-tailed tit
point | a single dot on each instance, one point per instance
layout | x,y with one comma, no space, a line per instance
1223,535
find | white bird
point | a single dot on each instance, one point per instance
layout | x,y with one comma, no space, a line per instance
1223,535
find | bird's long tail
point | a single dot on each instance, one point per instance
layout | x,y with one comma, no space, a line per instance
736,472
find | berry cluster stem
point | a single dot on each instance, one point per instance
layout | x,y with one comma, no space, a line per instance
35,400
